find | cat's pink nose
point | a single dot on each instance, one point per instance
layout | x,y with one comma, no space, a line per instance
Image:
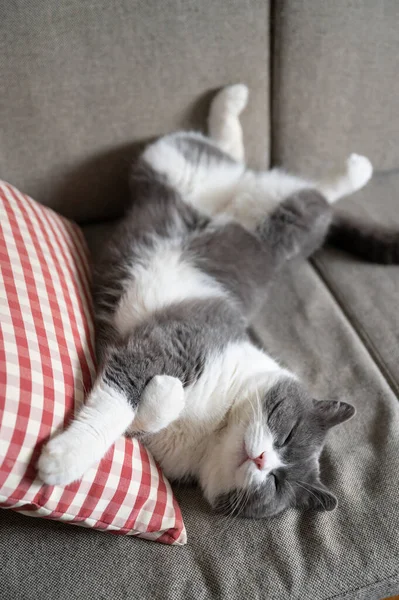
260,460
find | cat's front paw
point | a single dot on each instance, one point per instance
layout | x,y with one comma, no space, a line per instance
61,461
359,170
161,404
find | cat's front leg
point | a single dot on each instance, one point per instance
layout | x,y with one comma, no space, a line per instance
161,403
105,417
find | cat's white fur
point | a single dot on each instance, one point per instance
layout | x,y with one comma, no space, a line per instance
161,278
101,421
223,122
246,195
188,426
191,444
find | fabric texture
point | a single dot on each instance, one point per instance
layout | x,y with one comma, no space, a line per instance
92,80
348,554
335,84
368,293
89,81
47,364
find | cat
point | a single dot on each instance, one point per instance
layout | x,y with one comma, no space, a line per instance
175,291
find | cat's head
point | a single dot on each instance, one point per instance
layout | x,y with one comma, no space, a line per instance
264,458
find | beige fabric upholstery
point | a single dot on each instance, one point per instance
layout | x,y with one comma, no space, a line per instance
335,81
369,294
82,83
349,554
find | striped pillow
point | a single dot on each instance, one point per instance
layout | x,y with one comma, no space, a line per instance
47,364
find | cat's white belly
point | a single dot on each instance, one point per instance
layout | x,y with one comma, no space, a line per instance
161,278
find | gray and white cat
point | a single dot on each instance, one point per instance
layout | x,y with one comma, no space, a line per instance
174,293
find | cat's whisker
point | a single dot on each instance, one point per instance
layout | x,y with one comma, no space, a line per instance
233,508
291,490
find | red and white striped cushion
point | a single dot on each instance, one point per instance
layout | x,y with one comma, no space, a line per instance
46,365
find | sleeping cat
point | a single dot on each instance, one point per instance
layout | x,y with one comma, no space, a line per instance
174,291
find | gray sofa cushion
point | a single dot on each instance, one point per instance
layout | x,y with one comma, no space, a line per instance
336,90
335,82
84,82
350,553
368,294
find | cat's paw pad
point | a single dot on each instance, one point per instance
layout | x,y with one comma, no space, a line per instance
60,462
234,98
359,170
161,403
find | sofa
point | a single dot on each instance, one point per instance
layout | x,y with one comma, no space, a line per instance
83,85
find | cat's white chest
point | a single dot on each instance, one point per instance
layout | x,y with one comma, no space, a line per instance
179,448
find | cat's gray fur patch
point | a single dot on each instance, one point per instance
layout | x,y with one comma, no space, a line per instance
175,341
369,241
197,149
298,226
245,262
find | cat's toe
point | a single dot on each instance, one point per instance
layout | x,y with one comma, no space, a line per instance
360,170
60,462
161,404
234,97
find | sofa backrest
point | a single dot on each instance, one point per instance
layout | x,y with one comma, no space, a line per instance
82,83
335,82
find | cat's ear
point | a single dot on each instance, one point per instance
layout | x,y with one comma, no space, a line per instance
332,412
315,496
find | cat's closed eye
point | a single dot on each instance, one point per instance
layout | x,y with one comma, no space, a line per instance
275,480
288,438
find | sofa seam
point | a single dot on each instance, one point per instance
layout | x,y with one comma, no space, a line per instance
269,48
343,595
368,344
273,70
391,171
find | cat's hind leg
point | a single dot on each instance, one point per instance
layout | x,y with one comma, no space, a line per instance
358,171
223,121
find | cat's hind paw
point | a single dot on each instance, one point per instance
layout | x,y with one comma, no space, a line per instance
233,98
359,169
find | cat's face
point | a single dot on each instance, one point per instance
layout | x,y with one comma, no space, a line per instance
265,456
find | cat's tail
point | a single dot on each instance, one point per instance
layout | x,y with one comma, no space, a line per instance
369,241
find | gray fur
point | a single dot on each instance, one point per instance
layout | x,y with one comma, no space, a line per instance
196,149
299,425
177,340
369,241
245,262
298,226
